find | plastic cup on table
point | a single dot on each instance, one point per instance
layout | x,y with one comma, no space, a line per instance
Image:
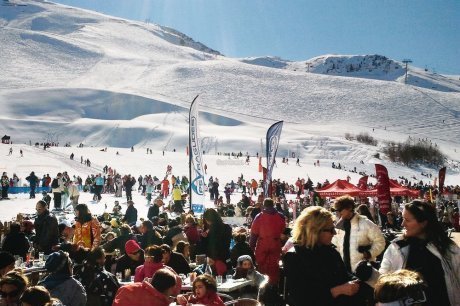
219,279
229,278
41,257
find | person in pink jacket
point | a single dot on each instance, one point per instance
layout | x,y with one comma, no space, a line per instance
153,262
266,230
155,293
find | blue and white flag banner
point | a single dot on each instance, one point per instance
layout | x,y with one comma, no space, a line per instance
273,138
197,184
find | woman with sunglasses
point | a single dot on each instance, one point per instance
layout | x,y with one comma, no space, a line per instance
12,285
315,272
425,248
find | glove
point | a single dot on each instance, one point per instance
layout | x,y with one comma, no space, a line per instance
364,270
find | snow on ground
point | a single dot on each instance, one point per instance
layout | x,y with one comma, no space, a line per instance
56,159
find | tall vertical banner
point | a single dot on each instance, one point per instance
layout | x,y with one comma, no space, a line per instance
383,188
196,170
442,177
273,139
362,184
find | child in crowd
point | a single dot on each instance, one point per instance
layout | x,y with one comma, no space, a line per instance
245,269
204,292
402,287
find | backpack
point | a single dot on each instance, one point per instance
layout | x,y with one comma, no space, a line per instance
55,183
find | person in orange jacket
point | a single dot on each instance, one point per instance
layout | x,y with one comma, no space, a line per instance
87,229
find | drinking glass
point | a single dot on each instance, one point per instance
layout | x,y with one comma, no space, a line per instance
229,278
219,279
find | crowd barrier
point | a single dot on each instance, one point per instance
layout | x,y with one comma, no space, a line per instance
16,190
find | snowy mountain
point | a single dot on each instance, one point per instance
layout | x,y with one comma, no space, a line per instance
72,75
376,67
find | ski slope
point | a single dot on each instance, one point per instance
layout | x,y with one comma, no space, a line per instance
73,75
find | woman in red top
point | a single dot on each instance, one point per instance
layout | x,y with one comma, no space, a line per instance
204,292
153,256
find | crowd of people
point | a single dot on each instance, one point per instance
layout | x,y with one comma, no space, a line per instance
322,253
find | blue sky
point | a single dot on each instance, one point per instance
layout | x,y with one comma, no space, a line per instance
426,31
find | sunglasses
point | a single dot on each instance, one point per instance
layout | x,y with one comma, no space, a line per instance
11,294
330,230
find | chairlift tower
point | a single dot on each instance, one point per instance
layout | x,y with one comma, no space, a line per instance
406,61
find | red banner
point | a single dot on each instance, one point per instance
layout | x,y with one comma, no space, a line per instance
260,165
383,188
362,184
442,177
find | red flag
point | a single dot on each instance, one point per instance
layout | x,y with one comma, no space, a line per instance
362,184
260,165
442,177
383,188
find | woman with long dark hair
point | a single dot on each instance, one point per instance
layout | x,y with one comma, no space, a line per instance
425,248
87,229
215,240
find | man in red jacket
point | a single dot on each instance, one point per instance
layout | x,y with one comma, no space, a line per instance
154,293
266,230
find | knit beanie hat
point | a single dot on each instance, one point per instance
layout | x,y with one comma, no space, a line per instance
6,259
243,258
131,246
56,261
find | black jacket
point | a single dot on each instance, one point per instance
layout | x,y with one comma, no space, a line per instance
178,263
217,243
154,211
312,273
101,286
16,244
148,239
130,215
125,262
118,243
173,231
47,232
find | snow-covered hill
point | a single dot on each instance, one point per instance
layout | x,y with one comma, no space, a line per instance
376,67
72,75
